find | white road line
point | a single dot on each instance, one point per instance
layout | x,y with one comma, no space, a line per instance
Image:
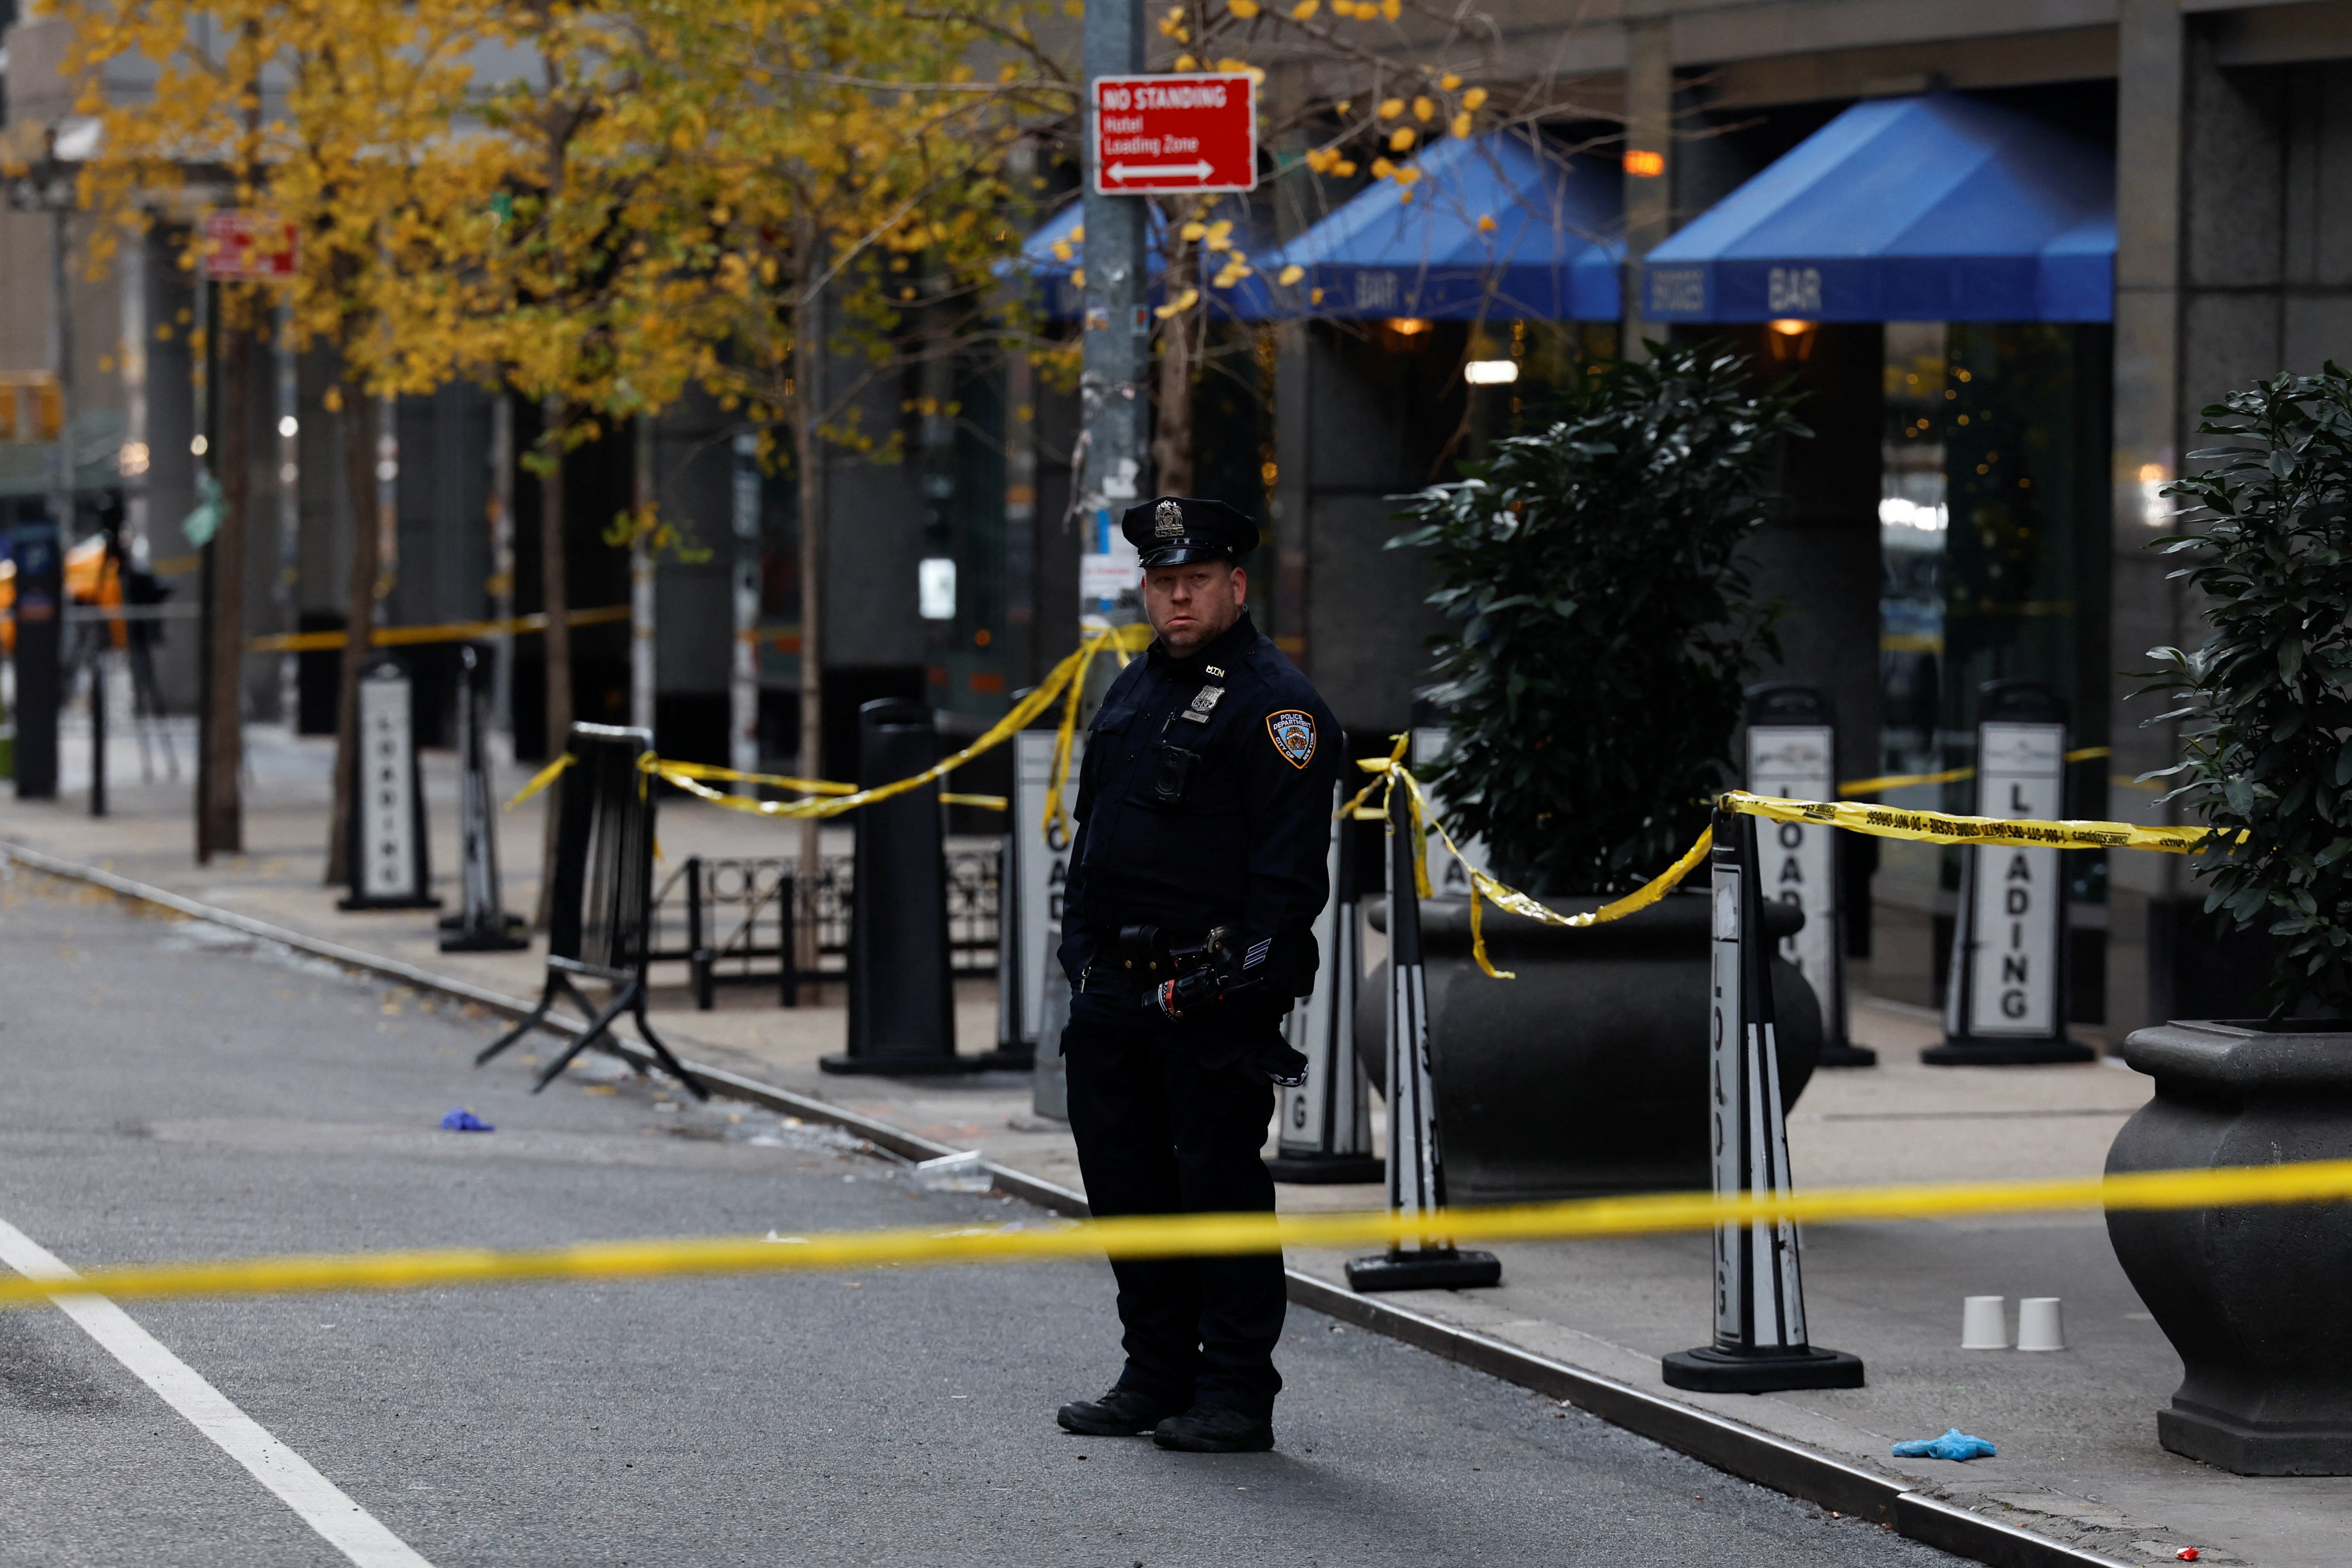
349,1527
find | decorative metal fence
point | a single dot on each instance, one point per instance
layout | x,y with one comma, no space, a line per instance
731,920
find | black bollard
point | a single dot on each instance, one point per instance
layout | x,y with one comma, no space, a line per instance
1325,1127
35,547
390,866
1792,755
2005,994
901,992
1759,1293
1416,1164
482,924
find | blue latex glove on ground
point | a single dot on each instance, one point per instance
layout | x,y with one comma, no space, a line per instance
463,1120
1954,1444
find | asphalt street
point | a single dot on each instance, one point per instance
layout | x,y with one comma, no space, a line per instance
175,1091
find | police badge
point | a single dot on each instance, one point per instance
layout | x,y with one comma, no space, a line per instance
1205,704
1293,734
1168,521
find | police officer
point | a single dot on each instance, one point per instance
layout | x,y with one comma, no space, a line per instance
1198,869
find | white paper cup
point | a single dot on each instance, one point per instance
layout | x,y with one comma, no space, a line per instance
1983,1326
2039,1324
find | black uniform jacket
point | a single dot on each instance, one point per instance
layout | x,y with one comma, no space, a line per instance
1205,800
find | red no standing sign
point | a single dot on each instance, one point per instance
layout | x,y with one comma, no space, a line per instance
249,247
1174,133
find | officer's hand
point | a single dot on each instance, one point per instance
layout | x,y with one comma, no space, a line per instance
1281,1064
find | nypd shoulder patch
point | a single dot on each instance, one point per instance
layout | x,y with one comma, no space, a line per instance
1293,734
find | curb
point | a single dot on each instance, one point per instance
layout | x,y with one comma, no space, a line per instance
1742,1451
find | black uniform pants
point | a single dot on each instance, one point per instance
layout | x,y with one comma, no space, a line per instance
1159,1133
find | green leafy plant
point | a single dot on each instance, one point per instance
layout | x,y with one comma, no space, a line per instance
2267,724
1603,627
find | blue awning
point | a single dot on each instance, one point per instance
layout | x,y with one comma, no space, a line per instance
1495,227
1055,252
1941,208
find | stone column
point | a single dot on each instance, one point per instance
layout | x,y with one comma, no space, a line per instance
2146,455
1649,162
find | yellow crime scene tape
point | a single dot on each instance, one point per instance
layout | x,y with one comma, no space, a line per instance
1193,1236
1883,821
1488,889
821,798
1950,775
449,631
1946,827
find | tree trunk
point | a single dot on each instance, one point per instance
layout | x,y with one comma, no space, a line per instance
554,592
222,830
743,661
1171,433
808,467
502,564
359,615
554,599
643,604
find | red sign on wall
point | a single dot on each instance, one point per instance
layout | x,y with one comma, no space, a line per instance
1175,133
249,248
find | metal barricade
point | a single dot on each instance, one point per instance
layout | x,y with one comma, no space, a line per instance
731,919
738,914
601,903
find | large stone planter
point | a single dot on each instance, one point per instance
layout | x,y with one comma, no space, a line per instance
1588,1073
2255,1300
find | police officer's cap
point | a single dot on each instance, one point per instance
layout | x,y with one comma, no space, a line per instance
1172,530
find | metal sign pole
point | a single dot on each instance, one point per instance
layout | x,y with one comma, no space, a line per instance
1326,1123
1114,404
482,925
1416,1166
99,649
1759,1297
1011,1048
2005,995
1793,753
1016,1041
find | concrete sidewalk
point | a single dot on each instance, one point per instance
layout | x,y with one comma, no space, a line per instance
2079,1461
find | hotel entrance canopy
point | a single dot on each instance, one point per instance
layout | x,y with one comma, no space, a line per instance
1940,208
1499,227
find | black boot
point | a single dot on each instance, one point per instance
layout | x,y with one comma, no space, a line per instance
1124,1412
1215,1429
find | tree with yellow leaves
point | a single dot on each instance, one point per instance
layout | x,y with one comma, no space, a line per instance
791,201
742,196
340,119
